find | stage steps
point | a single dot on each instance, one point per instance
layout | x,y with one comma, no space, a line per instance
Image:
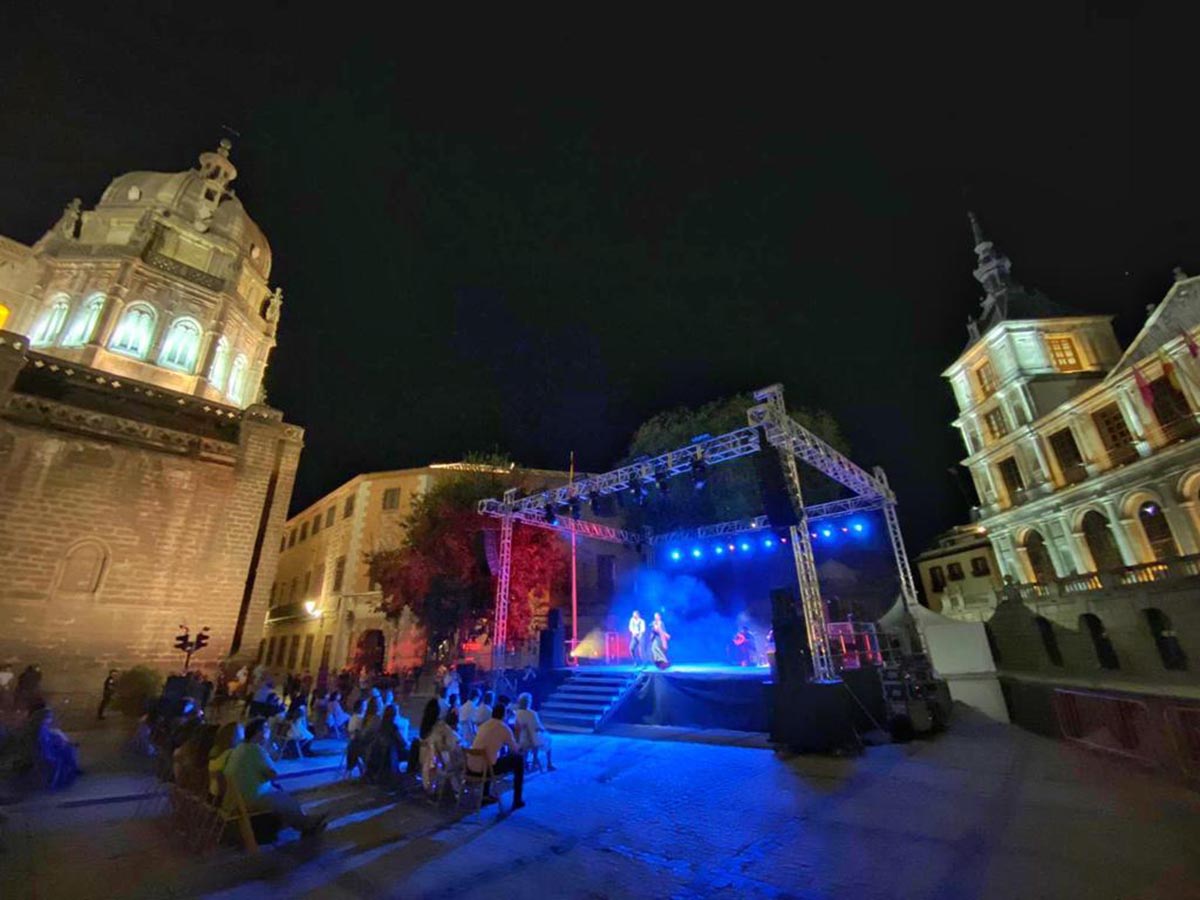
581,703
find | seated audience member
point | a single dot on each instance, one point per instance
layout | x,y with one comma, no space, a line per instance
298,730
190,761
492,737
531,733
374,712
54,754
445,750
355,724
466,716
483,710
249,771
228,737
385,749
336,717
418,749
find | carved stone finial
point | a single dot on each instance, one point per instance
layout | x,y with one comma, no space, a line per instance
274,302
976,229
1179,274
68,224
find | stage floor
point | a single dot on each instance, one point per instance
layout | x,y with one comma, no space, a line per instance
691,670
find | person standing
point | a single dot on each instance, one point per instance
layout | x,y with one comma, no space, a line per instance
659,639
637,632
6,682
110,688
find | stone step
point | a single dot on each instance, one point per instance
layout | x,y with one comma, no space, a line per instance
594,696
554,721
589,687
573,709
571,729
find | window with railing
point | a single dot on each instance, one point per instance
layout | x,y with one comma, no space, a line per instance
1114,434
980,567
1070,460
1171,410
1010,474
997,425
937,579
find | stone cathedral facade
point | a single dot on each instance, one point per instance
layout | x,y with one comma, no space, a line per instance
143,484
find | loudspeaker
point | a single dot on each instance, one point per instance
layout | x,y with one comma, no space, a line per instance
777,502
793,660
552,652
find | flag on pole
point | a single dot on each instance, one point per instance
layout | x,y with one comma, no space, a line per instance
1191,344
1168,368
1144,388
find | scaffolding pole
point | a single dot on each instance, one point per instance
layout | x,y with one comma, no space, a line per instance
503,587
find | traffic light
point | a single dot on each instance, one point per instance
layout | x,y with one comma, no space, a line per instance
201,641
181,641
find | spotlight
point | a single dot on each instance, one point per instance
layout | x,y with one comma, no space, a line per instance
676,556
814,534
783,540
732,548
696,553
745,545
845,529
718,550
858,527
576,507
827,532
768,543
753,524
550,514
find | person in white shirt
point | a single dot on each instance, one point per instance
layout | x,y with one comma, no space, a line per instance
354,726
453,685
466,716
637,631
483,710
492,737
531,733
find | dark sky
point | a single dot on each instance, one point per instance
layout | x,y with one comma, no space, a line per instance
532,239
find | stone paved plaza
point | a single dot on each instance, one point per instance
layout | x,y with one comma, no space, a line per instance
983,811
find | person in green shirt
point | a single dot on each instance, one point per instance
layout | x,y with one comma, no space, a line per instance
249,771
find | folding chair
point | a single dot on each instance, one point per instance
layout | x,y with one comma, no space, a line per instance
218,817
483,777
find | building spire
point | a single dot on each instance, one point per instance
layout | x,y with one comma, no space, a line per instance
976,228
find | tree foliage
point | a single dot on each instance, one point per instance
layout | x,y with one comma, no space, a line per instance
732,490
440,571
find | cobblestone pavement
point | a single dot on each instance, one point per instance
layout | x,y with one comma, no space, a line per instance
983,811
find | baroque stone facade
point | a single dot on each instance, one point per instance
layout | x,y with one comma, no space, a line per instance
140,488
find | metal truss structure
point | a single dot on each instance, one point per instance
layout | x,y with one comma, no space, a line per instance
558,509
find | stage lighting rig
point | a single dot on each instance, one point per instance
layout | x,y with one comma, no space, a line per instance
551,515
576,507
699,471
662,479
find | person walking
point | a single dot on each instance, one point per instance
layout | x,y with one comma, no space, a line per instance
110,688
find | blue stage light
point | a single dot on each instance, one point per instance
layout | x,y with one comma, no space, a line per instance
696,553
718,549
745,546
827,532
676,555
857,526
768,543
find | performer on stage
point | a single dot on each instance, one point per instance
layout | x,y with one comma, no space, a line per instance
658,642
637,633
745,653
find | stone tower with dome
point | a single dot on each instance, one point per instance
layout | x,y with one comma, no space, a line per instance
145,483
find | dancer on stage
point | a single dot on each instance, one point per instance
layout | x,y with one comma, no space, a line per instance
637,633
658,642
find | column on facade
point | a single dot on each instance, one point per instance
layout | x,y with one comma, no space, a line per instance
212,337
1119,527
1188,376
113,307
1071,545
1133,419
1088,441
1039,453
1006,555
1182,518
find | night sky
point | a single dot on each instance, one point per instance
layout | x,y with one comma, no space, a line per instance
533,243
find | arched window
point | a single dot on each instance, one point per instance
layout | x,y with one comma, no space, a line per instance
82,568
50,324
1039,558
237,379
1169,649
1158,530
181,345
83,326
135,331
1106,653
1101,543
220,364
1049,640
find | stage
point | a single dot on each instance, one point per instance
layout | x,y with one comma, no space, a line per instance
812,715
